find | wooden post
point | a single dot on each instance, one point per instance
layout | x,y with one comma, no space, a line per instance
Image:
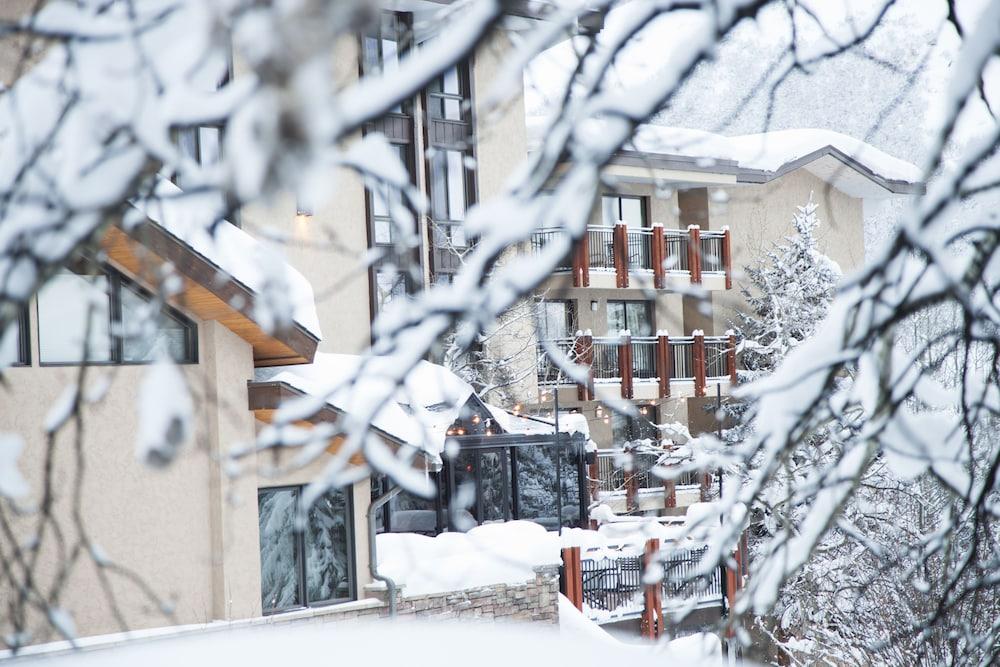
619,240
663,363
625,363
727,256
669,493
572,581
594,475
698,357
581,261
694,253
731,358
706,487
584,352
631,492
658,250
652,610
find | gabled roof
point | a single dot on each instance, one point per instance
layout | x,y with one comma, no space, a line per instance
851,165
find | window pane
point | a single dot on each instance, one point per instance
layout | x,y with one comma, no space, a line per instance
609,210
10,344
555,322
616,317
146,329
456,185
493,475
638,320
64,304
439,187
328,565
279,559
209,144
450,81
391,284
536,480
632,212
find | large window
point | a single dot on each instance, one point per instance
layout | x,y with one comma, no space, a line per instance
626,429
14,346
636,316
620,208
556,319
96,315
451,183
308,567
391,227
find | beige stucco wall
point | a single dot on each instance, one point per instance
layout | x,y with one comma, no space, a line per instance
186,530
328,248
761,215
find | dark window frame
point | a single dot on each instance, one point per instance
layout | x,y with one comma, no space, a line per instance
390,125
644,207
572,315
650,312
116,282
300,553
23,338
467,147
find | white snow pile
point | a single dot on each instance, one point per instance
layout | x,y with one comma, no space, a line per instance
284,293
165,414
413,644
501,553
768,151
696,649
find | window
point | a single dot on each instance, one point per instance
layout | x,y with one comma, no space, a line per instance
382,44
96,315
630,210
629,429
556,319
14,346
636,316
308,567
451,182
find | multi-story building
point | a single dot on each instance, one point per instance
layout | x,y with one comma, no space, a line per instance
219,545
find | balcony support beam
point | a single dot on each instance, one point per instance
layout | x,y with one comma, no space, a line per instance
731,358
694,253
698,354
584,353
663,363
657,252
625,364
581,261
619,248
727,256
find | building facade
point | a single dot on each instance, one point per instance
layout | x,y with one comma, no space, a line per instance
660,261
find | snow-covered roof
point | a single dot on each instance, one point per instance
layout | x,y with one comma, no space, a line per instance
419,414
423,408
232,252
857,168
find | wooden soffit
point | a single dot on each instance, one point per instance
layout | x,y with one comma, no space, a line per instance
208,292
264,399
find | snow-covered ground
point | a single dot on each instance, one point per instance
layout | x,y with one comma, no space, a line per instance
577,642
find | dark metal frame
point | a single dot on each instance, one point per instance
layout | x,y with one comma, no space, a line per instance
301,553
23,338
116,282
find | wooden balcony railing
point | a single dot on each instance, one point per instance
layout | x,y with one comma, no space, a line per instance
661,359
657,251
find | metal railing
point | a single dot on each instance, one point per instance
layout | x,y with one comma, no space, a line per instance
640,255
682,358
716,358
644,358
612,585
542,237
612,475
601,241
675,252
680,581
711,252
548,372
605,365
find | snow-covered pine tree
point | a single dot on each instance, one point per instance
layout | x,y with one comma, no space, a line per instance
788,294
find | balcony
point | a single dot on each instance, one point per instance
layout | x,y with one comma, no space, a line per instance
608,256
644,368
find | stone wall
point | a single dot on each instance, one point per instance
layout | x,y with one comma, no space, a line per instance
532,601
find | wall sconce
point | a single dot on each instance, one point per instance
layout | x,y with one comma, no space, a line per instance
593,306
303,212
